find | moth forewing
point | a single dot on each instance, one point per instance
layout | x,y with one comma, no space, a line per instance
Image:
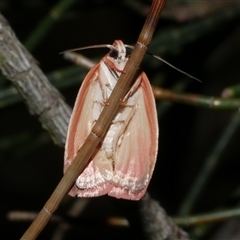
123,164
77,135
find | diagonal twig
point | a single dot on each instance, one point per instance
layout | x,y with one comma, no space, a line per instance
123,85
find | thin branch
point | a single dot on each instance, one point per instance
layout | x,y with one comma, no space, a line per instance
173,40
231,91
190,10
208,217
196,100
183,11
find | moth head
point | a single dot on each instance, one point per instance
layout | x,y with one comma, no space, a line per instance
118,51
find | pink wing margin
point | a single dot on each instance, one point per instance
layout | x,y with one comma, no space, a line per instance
134,159
76,135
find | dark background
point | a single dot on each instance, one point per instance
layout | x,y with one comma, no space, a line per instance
205,45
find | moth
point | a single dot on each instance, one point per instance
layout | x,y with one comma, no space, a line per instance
123,163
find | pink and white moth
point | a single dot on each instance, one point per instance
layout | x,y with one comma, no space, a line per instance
123,164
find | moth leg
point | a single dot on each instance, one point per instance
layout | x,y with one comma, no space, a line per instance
106,83
132,90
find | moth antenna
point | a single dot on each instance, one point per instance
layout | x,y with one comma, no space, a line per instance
132,47
88,47
169,64
177,69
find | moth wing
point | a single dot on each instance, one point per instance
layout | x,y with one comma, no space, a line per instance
78,128
134,159
86,110
136,156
